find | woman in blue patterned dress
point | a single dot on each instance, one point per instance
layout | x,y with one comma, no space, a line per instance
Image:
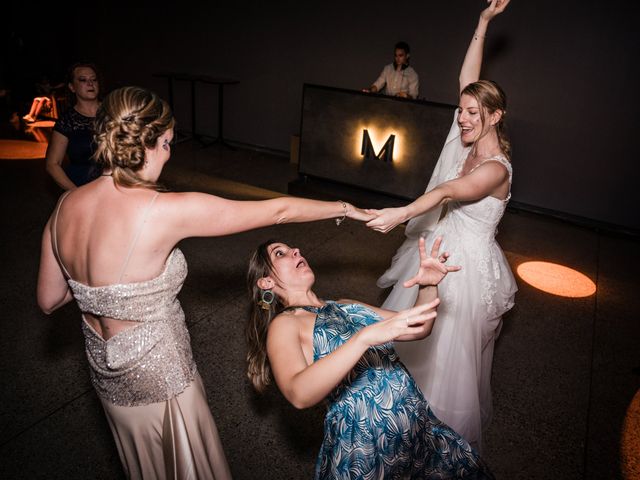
378,424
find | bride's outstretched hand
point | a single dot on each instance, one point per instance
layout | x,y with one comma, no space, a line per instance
432,267
359,214
386,219
495,8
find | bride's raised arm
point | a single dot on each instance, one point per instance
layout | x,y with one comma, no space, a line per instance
470,71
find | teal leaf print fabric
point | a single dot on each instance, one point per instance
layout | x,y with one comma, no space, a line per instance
378,424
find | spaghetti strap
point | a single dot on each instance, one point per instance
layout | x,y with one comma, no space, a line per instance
137,236
54,233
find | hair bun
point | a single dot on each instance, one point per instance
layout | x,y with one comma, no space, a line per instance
130,121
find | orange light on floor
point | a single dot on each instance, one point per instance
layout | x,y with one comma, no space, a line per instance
630,442
556,279
21,150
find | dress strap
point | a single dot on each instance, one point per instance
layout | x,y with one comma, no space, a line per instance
501,159
137,236
54,232
308,308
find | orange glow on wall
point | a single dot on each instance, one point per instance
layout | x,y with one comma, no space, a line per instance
556,279
630,442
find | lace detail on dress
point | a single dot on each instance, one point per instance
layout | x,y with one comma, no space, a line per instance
78,129
504,161
73,121
489,281
496,158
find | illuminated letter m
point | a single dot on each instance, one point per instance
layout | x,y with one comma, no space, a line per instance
386,152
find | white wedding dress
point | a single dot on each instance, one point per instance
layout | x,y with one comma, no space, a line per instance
453,365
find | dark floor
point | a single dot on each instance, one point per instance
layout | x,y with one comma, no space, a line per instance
563,377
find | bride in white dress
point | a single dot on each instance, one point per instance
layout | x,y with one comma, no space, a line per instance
472,181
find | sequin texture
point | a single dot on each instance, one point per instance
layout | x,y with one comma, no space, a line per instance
152,361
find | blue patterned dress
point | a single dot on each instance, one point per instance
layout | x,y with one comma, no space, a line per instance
378,424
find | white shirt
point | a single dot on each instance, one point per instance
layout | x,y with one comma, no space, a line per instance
396,81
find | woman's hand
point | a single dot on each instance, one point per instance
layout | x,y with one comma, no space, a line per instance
411,322
359,214
432,268
387,219
495,7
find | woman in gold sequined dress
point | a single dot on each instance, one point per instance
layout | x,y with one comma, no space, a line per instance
111,246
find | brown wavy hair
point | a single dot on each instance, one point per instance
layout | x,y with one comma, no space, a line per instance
129,120
491,98
258,368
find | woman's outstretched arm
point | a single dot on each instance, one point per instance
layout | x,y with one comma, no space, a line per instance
483,181
470,71
305,385
203,215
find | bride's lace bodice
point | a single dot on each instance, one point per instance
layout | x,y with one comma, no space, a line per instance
481,217
469,230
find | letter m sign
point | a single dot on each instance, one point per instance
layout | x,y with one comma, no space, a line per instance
386,152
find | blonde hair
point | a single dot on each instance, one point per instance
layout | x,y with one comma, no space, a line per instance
260,316
491,98
129,120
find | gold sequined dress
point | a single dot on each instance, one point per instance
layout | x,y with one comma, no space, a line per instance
146,377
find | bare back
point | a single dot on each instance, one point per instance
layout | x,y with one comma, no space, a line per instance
105,235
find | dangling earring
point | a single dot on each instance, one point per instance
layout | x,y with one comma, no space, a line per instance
266,299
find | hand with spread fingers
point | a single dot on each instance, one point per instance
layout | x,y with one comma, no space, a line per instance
413,321
432,267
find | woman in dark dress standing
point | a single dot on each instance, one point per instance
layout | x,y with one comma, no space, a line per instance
73,132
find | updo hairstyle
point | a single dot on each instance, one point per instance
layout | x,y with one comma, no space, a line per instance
129,120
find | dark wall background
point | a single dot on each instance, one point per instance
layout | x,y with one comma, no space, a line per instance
569,69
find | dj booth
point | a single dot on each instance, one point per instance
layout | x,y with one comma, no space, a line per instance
368,148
